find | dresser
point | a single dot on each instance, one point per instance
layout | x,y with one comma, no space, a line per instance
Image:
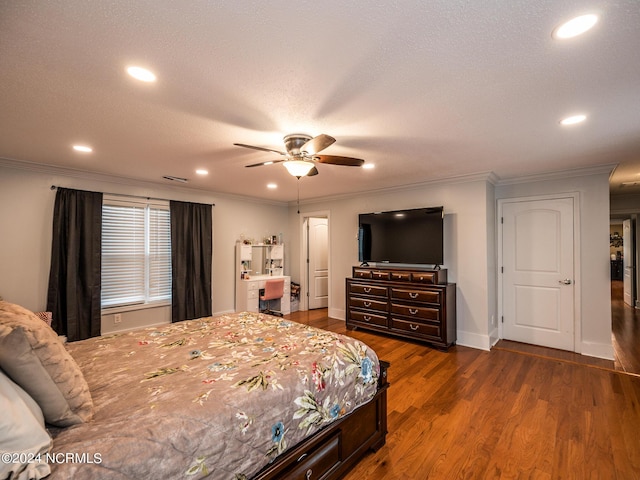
410,303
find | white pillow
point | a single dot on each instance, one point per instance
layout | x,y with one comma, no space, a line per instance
22,434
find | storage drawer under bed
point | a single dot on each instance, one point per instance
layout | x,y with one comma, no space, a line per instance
318,463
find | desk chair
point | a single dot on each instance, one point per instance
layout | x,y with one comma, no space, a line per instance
273,289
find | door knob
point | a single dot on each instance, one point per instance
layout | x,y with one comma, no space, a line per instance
565,281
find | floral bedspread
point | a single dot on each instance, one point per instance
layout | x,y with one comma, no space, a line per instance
216,397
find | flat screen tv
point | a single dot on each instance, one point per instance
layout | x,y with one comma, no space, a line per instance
402,236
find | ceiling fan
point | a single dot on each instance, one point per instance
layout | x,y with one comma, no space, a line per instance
302,154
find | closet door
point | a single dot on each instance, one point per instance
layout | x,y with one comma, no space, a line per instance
538,277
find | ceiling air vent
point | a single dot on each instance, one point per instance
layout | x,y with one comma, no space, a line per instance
175,179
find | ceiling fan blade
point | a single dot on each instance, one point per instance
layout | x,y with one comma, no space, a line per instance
337,160
312,172
259,148
268,162
317,144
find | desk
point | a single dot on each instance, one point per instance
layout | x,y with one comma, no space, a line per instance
248,294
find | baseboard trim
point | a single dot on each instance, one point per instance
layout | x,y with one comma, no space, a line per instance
474,340
598,350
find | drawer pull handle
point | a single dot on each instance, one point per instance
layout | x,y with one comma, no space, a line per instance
367,304
367,289
302,456
367,318
308,474
413,295
412,311
414,327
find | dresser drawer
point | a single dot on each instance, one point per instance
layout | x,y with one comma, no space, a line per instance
368,318
318,463
358,273
419,313
380,274
400,276
426,277
425,296
363,289
368,304
416,328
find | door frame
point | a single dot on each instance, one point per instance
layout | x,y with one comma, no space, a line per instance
629,251
304,265
577,312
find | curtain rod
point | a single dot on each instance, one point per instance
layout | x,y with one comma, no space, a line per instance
53,187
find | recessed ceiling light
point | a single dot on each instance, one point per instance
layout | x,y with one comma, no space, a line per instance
575,26
272,186
572,120
369,166
83,148
202,171
141,74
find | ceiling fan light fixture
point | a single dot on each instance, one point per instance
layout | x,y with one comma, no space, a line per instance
298,168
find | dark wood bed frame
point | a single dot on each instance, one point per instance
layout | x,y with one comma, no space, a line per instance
331,452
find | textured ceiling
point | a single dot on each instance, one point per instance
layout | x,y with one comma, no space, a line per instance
422,90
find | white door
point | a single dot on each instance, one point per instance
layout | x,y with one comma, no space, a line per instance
538,277
627,262
318,251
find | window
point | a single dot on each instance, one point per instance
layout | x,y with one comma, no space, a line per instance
136,252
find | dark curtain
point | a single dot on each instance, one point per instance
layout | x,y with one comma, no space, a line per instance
74,279
191,236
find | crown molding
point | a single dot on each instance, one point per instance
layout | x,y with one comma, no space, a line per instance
559,175
488,177
125,181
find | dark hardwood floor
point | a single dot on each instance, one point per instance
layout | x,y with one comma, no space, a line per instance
505,413
625,323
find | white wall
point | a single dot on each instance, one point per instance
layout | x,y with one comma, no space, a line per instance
26,205
26,212
468,214
594,294
471,246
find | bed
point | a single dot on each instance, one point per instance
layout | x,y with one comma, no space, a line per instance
239,396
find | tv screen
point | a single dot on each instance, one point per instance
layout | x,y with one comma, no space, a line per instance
402,236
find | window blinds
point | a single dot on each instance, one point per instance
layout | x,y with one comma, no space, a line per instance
136,252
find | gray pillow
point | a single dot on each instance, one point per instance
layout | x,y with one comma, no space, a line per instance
33,356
